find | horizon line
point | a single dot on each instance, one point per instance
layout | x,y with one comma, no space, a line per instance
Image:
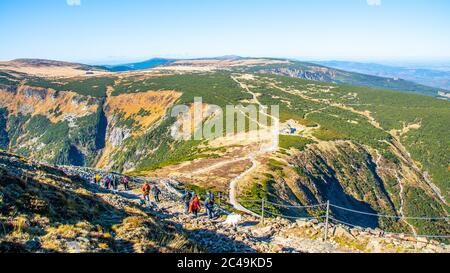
125,60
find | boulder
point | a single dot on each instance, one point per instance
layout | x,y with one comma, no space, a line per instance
303,224
263,232
277,248
354,232
33,244
374,245
342,232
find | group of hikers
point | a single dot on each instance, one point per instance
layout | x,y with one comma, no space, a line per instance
112,181
192,204
191,200
147,189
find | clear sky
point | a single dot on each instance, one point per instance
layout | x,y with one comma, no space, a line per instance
121,30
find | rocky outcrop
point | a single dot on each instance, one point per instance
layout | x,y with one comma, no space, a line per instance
8,88
35,92
118,135
4,137
307,74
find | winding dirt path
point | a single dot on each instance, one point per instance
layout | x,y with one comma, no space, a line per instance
252,157
217,165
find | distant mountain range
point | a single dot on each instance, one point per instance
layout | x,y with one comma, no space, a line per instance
426,82
138,65
429,77
423,81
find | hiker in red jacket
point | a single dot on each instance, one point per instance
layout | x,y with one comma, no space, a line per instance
146,191
125,183
194,207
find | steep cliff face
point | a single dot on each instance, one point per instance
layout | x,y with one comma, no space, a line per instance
345,174
325,75
4,138
58,127
130,117
356,177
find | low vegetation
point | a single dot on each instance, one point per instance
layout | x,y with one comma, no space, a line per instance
44,210
94,87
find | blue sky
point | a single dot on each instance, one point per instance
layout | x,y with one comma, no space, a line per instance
98,31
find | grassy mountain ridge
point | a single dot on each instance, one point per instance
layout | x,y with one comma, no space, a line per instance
334,73
310,71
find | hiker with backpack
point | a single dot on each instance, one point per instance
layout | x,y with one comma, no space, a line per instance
113,181
107,182
156,192
125,183
98,179
194,206
187,197
116,182
146,192
210,195
209,205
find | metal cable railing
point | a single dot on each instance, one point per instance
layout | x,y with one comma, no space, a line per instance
328,218
392,233
389,216
299,207
293,217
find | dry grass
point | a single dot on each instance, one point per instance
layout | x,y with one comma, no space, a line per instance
66,70
20,223
155,102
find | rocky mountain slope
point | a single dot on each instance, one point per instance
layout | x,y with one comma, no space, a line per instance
47,209
309,71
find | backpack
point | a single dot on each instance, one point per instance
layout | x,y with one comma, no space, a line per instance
146,188
209,203
187,197
195,204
